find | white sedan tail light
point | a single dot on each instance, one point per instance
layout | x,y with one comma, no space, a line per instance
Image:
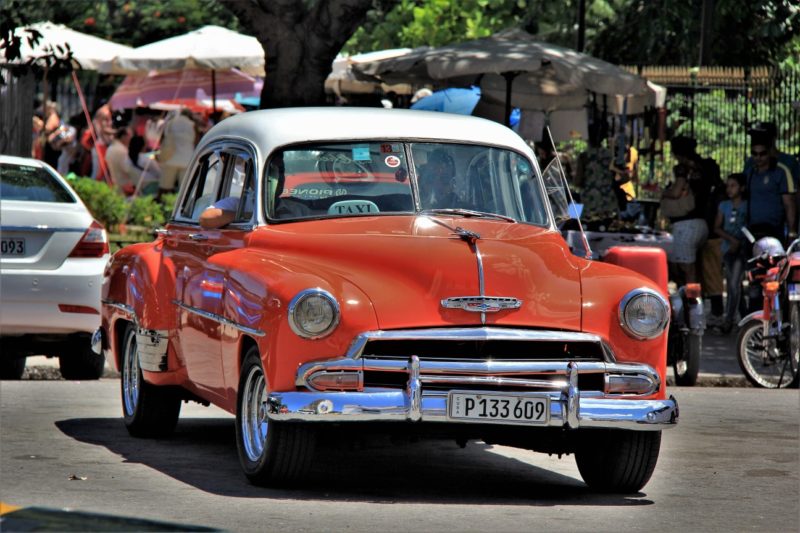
94,242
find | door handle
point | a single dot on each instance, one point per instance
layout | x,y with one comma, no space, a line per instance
198,237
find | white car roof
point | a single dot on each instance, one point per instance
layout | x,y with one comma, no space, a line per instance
273,128
27,161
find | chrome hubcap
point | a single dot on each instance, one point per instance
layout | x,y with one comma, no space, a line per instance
130,376
254,417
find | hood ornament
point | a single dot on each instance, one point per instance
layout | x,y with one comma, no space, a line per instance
481,304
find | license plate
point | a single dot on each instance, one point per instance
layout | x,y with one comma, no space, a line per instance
12,246
491,407
794,292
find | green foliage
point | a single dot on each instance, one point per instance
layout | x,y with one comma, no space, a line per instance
106,205
131,22
661,32
145,211
414,23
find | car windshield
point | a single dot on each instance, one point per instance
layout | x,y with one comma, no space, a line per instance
31,184
392,177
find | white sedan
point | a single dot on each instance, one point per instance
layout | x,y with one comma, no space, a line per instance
52,257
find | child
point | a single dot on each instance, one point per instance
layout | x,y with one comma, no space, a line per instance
731,217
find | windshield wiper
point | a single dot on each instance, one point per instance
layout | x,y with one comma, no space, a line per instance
466,213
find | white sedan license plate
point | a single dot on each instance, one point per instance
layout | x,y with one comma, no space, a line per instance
491,407
9,246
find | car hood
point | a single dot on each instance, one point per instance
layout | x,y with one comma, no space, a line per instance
408,265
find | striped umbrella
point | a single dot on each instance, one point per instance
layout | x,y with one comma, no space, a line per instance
143,90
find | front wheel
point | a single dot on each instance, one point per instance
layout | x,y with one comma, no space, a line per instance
687,358
617,460
271,453
148,410
762,361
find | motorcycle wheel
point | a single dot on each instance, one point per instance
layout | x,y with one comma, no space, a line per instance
773,372
794,343
686,363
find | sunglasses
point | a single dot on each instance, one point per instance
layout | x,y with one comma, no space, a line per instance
759,154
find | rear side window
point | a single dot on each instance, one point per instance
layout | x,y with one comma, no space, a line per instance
31,184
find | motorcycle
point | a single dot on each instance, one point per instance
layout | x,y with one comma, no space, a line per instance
685,337
768,345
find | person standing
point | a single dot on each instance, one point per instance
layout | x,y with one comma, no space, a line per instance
124,175
771,205
177,145
728,226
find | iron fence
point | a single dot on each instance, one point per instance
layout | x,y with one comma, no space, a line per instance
718,106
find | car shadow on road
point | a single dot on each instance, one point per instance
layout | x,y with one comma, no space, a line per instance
202,453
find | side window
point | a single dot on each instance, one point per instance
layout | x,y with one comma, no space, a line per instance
240,184
205,186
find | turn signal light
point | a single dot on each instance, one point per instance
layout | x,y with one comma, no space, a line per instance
340,381
694,290
94,242
637,384
771,288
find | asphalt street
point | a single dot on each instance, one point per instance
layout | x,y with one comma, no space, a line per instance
731,464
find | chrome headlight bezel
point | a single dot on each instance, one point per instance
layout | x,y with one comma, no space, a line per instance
295,306
630,298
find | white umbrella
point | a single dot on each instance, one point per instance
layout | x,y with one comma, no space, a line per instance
511,67
88,51
208,48
342,80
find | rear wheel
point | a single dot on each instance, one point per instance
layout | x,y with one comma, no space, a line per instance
794,343
12,366
616,460
271,453
762,361
148,410
80,362
687,358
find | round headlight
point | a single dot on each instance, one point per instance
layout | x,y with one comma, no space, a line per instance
313,313
643,314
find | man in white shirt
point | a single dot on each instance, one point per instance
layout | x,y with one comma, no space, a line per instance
177,146
124,174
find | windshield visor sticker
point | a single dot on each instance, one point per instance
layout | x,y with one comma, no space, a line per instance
361,152
392,161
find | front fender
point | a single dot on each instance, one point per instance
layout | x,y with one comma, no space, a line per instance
257,293
755,315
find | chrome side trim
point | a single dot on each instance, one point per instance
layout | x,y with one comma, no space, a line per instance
221,319
43,228
152,347
356,349
127,309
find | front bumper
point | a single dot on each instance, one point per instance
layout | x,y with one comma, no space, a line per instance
567,408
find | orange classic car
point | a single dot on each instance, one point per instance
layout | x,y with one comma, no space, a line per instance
391,266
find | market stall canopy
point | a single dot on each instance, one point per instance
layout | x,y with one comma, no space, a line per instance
88,51
511,67
343,81
142,90
208,48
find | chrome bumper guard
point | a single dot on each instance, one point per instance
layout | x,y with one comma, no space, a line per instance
568,407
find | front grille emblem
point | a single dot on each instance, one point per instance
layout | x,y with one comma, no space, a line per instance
481,304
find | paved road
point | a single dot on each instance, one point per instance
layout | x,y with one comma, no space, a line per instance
732,464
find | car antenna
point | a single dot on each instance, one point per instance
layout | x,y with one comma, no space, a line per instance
571,203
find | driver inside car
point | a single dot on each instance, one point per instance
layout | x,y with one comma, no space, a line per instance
437,181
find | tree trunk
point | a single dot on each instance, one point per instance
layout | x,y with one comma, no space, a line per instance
300,42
